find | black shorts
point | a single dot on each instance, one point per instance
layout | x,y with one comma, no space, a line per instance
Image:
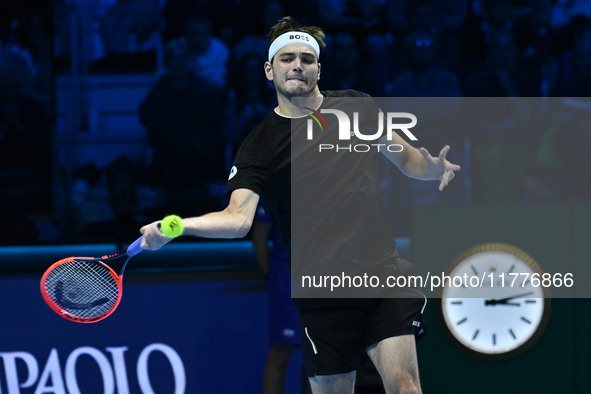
334,338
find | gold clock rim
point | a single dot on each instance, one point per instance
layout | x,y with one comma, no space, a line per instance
527,259
496,247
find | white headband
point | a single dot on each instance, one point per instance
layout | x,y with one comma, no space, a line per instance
293,37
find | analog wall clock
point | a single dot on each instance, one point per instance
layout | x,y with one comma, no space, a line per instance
497,306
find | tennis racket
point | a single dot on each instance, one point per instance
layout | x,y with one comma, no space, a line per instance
85,289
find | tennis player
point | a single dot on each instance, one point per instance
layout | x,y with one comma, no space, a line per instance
335,332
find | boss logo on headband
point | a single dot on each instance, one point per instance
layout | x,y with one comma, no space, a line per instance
299,37
293,37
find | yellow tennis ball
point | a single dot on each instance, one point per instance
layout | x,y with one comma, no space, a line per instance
172,226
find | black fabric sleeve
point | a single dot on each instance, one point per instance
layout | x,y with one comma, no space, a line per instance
252,164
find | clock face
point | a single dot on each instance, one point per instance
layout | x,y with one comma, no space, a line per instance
497,311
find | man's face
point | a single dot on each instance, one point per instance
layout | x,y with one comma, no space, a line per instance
295,71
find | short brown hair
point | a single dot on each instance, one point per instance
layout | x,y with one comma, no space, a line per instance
288,23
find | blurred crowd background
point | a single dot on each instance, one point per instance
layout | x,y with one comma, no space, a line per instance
114,113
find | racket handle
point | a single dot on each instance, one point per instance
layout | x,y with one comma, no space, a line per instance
135,247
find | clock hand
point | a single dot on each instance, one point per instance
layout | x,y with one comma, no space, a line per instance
501,302
505,301
511,303
516,296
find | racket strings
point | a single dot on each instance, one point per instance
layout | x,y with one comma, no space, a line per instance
83,289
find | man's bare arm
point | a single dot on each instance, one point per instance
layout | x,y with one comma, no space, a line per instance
232,222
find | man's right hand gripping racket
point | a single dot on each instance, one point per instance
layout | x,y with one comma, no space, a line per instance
85,289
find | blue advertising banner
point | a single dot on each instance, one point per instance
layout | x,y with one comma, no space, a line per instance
176,337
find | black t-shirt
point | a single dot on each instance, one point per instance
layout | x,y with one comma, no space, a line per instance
338,208
263,164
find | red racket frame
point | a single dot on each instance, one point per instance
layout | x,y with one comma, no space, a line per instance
133,249
67,315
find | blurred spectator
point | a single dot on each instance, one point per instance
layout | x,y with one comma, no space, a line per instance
453,13
17,59
40,42
230,19
442,19
175,13
25,122
371,13
535,37
405,15
122,181
561,161
207,56
436,16
485,19
25,152
183,116
250,98
424,78
122,178
358,17
472,44
131,38
342,58
62,27
498,15
376,55
574,73
258,43
397,16
501,76
564,11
